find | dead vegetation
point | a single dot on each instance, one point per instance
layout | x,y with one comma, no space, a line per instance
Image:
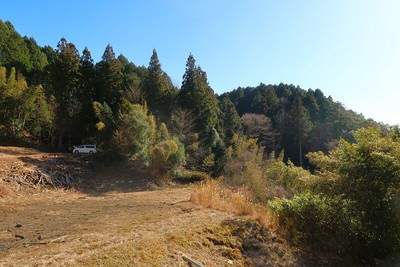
51,173
211,195
27,170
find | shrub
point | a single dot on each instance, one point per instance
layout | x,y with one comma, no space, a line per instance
166,156
368,174
135,133
245,166
292,178
355,189
331,222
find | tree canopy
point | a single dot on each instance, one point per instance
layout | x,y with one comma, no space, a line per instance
82,100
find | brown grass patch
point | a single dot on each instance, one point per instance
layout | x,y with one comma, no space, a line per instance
212,195
5,191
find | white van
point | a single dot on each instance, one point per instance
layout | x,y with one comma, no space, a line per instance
85,149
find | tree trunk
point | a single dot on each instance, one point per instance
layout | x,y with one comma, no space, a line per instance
300,153
60,142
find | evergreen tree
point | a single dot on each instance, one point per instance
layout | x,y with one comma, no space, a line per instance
38,60
311,104
133,80
135,133
272,101
86,94
64,79
156,88
300,126
229,119
13,50
109,80
50,54
105,125
197,95
87,75
265,100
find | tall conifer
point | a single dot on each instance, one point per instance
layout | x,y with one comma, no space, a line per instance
197,95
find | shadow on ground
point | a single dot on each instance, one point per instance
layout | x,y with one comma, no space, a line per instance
82,173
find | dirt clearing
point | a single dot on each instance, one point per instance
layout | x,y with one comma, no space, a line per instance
117,217
72,228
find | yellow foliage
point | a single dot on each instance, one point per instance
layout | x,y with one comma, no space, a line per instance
3,76
229,152
209,161
152,125
100,126
161,153
163,132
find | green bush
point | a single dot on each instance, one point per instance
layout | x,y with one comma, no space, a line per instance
293,179
354,198
134,133
331,222
166,156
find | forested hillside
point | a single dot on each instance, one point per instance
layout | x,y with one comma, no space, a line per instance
266,138
60,97
294,120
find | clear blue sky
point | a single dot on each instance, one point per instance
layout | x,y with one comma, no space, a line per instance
350,49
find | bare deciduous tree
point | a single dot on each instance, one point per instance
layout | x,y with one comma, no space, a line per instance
259,126
183,122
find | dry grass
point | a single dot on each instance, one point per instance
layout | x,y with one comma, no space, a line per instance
5,191
211,194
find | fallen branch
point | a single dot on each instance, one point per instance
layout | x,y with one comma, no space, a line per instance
192,262
19,236
55,240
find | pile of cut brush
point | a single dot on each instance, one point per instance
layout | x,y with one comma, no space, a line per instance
62,172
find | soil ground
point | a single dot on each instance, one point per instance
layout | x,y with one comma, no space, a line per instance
116,216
